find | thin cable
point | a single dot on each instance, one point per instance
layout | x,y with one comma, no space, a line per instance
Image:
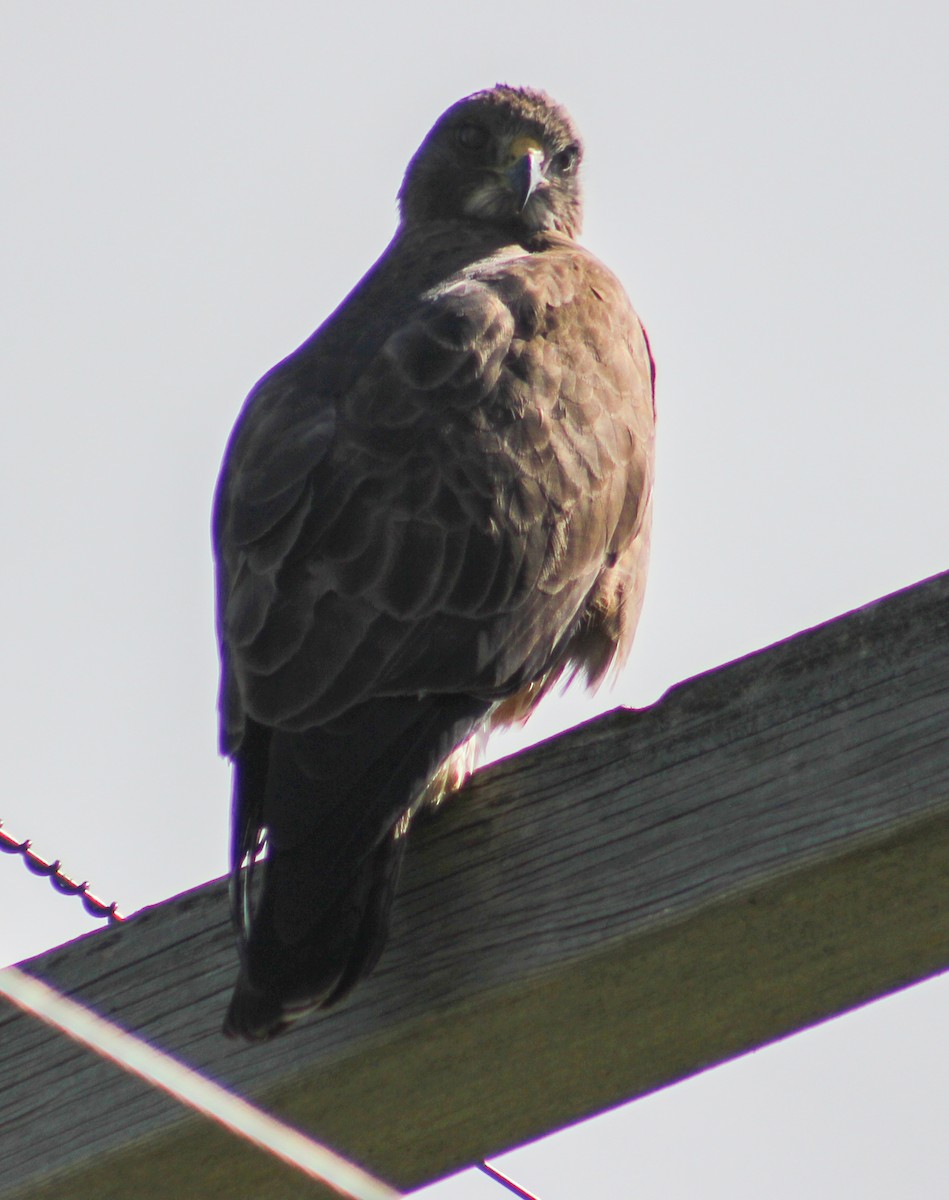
58,878
135,1055
503,1180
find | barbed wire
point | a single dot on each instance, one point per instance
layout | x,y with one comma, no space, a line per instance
59,879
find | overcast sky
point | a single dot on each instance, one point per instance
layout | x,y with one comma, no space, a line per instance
190,188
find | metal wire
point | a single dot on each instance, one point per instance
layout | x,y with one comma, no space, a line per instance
95,1032
137,1056
514,1188
60,881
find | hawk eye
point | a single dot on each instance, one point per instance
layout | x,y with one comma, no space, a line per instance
566,162
471,137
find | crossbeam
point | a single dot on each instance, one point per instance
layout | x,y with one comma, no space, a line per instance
606,913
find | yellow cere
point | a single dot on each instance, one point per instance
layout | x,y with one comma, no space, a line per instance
524,145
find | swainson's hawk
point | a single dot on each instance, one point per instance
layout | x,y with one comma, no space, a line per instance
427,514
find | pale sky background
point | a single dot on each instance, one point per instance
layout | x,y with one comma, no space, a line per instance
190,188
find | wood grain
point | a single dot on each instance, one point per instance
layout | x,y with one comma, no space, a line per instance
613,910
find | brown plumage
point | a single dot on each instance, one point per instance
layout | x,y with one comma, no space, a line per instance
428,513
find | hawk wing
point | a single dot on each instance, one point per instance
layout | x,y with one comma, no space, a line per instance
408,539
438,526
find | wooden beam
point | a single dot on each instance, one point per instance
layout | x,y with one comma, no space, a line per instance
615,909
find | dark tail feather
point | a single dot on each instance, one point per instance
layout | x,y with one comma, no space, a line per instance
373,928
334,801
279,983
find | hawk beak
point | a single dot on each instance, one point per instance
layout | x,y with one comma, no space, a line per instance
526,171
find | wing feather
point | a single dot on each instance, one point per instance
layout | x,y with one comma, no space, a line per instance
443,523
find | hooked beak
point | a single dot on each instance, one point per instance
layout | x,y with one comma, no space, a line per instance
526,171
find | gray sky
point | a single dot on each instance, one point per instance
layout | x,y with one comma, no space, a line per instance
191,188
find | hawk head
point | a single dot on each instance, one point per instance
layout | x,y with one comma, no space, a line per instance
508,157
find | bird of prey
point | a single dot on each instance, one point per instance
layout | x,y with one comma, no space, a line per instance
427,514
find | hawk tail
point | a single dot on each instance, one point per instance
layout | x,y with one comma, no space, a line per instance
333,805
291,981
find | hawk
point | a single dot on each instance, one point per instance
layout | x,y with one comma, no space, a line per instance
430,512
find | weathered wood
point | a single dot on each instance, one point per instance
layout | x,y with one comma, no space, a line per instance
615,909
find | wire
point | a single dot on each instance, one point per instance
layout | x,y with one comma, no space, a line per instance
511,1186
60,881
135,1055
